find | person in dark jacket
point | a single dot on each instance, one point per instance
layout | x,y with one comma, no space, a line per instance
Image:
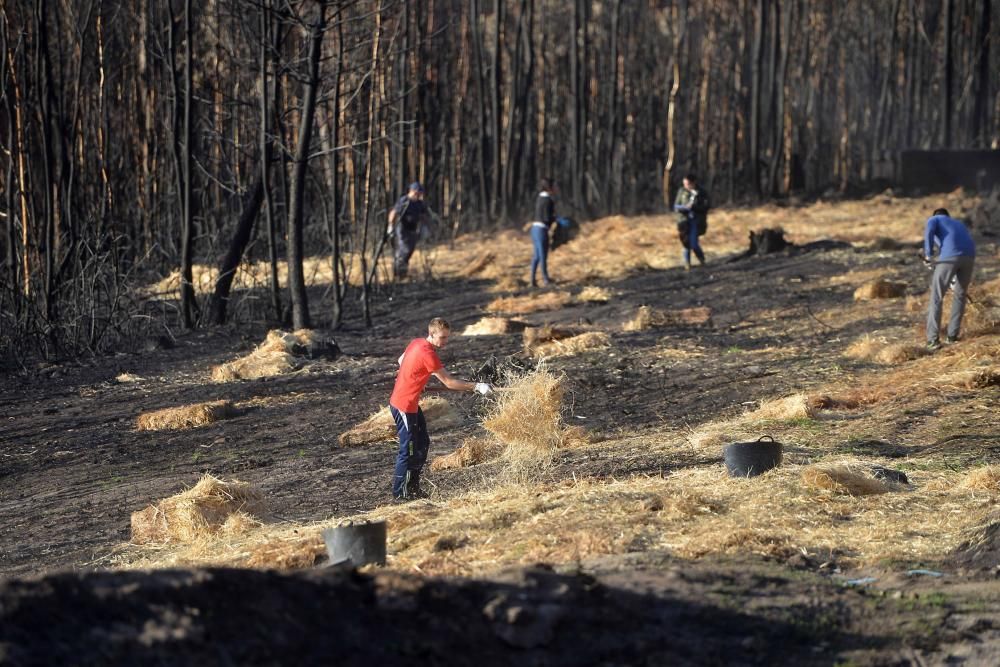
955,261
406,219
692,204
545,216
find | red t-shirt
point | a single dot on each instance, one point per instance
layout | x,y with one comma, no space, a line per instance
419,361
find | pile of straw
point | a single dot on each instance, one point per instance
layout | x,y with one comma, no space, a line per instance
880,289
493,326
185,416
472,452
983,479
295,552
281,352
529,304
533,336
125,378
211,507
842,479
648,318
594,294
898,353
796,406
380,427
865,347
592,340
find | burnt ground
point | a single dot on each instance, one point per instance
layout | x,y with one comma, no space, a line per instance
73,468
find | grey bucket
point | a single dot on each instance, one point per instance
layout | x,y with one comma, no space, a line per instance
359,543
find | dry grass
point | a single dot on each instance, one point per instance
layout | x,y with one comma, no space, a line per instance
567,347
531,303
210,507
899,353
983,479
880,289
471,452
648,318
493,326
594,294
865,347
796,406
478,265
843,479
185,416
380,427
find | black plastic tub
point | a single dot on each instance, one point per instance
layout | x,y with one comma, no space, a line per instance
749,459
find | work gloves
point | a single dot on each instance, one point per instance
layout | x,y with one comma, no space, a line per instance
483,388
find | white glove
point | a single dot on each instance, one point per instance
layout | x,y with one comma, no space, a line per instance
483,388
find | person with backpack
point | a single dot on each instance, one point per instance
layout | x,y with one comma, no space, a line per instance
955,261
407,218
692,204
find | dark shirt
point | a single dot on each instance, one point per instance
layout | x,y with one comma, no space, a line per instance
545,208
410,213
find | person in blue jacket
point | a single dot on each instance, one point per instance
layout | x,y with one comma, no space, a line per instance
545,215
955,260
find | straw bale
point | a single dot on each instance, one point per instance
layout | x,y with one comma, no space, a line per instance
592,340
594,294
478,264
532,336
254,365
880,289
185,416
526,417
205,509
647,318
898,353
294,553
380,427
531,303
842,479
471,452
492,326
986,478
796,406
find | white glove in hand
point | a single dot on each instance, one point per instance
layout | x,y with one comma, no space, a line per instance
483,388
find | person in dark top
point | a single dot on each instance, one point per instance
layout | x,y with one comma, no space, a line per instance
692,204
406,218
545,216
955,261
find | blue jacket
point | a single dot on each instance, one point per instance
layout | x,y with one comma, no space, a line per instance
951,235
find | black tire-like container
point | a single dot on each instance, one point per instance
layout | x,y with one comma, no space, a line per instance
749,459
359,543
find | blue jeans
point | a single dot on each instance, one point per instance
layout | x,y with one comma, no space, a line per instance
692,243
414,441
540,240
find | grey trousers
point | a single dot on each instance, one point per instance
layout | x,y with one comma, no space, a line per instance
959,269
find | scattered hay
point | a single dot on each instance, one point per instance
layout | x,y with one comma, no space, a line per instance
126,378
526,418
880,289
842,479
380,427
536,335
280,353
648,318
898,353
983,479
471,452
185,416
529,304
210,507
493,326
291,553
864,348
594,294
796,406
478,265
592,340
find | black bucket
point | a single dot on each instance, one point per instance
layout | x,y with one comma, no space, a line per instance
749,459
359,543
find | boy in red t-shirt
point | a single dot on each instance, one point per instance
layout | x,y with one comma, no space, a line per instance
416,365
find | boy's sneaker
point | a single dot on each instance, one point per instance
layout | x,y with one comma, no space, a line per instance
933,345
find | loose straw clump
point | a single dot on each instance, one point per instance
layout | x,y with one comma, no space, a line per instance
842,479
983,479
880,289
281,352
185,416
380,426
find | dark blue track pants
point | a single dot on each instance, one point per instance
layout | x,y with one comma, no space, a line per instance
414,441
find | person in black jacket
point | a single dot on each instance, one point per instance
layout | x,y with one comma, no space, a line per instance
545,215
692,204
406,217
